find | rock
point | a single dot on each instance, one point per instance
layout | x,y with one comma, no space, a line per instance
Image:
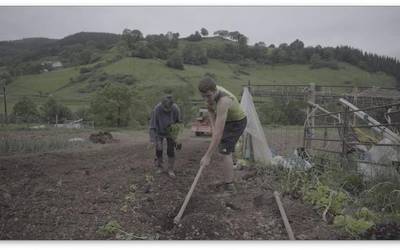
101,137
246,235
301,237
249,175
263,200
231,206
6,196
76,139
147,188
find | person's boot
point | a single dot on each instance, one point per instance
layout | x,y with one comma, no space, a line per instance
230,188
171,163
159,165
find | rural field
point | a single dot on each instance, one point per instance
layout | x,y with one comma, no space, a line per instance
77,104
111,191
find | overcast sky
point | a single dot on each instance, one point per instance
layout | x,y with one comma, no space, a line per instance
372,29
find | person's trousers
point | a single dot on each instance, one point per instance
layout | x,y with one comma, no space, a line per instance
159,148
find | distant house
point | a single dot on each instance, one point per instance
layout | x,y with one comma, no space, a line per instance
51,65
56,64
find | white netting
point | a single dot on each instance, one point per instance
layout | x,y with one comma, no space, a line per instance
261,150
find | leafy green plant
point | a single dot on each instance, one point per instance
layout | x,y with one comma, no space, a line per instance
340,193
366,214
130,197
132,188
383,196
351,225
109,229
353,183
323,197
149,179
124,208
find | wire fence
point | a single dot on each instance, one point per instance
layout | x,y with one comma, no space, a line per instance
355,137
356,126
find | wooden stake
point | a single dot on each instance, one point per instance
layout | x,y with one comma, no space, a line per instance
284,217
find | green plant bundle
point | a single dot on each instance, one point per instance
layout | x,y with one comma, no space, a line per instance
351,225
174,130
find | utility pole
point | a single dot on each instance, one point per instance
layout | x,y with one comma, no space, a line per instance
5,104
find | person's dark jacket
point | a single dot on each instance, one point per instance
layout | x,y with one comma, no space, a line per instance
161,119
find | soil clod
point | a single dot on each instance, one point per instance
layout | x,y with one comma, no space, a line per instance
101,137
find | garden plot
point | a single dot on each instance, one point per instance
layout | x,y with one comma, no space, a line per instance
111,191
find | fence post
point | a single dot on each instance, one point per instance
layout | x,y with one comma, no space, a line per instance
305,142
355,102
5,104
309,131
312,98
325,137
344,135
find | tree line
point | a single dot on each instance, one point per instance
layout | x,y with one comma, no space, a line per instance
235,49
111,106
23,56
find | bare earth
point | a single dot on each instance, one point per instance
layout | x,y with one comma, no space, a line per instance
71,194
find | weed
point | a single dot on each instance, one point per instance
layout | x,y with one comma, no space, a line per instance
109,229
113,228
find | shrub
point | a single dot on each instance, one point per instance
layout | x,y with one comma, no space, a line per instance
26,110
194,54
175,61
51,110
194,37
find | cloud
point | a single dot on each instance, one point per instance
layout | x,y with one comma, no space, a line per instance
373,29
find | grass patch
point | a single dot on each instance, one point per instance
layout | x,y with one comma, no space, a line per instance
18,139
154,73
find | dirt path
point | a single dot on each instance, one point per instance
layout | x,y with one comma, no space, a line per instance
70,195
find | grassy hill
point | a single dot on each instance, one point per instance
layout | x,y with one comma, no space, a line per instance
74,89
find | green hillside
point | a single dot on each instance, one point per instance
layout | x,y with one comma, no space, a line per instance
75,85
153,72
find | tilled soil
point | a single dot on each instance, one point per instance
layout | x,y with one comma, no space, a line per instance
72,194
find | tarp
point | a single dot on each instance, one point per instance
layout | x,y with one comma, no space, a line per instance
261,150
381,155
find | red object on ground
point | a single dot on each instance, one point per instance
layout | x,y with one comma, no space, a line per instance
202,126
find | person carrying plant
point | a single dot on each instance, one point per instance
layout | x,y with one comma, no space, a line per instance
228,122
165,123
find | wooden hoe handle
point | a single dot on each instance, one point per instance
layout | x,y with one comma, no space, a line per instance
189,194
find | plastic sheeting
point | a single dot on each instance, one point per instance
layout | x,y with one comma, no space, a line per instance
261,151
381,155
